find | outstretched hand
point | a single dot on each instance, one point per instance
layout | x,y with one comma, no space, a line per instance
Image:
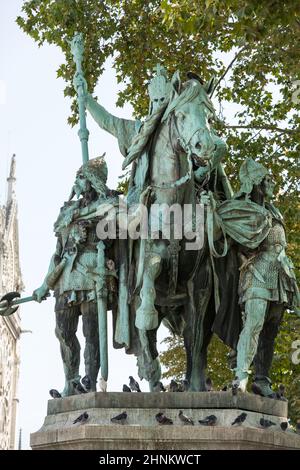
41,293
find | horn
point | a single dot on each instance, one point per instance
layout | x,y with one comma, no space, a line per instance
209,86
176,82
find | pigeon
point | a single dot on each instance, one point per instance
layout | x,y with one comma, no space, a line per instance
208,385
256,389
173,387
158,387
210,420
78,388
239,419
82,418
266,423
162,419
120,419
86,382
133,384
183,386
284,425
281,390
185,419
298,427
280,393
126,388
235,389
102,385
54,393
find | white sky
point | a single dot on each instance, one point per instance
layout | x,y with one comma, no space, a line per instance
33,124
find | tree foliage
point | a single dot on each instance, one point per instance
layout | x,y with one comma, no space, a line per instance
251,47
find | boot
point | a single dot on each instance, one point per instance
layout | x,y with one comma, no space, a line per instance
69,387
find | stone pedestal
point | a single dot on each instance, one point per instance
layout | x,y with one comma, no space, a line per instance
143,432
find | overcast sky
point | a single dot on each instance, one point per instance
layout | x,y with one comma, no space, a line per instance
33,125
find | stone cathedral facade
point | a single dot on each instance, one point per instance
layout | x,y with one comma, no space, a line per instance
10,280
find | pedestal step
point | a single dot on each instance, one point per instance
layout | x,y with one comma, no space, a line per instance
142,431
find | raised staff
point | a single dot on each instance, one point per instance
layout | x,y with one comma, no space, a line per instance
77,49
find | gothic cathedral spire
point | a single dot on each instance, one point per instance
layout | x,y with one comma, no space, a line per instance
10,280
11,181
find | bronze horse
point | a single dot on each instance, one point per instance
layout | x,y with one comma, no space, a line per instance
167,282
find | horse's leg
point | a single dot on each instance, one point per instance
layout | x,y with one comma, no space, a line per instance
188,343
156,368
148,361
202,337
203,359
146,352
203,320
146,314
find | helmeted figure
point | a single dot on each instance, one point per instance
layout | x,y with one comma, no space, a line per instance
267,284
71,273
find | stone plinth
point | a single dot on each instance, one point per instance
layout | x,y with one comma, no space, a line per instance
143,432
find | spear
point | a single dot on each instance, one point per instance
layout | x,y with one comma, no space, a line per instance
77,49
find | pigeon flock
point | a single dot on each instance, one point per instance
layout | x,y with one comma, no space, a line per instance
210,420
84,386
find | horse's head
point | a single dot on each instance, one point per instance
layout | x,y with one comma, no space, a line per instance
192,111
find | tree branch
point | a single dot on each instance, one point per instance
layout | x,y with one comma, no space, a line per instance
227,69
266,128
253,136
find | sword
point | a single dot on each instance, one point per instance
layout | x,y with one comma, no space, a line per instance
77,49
101,292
